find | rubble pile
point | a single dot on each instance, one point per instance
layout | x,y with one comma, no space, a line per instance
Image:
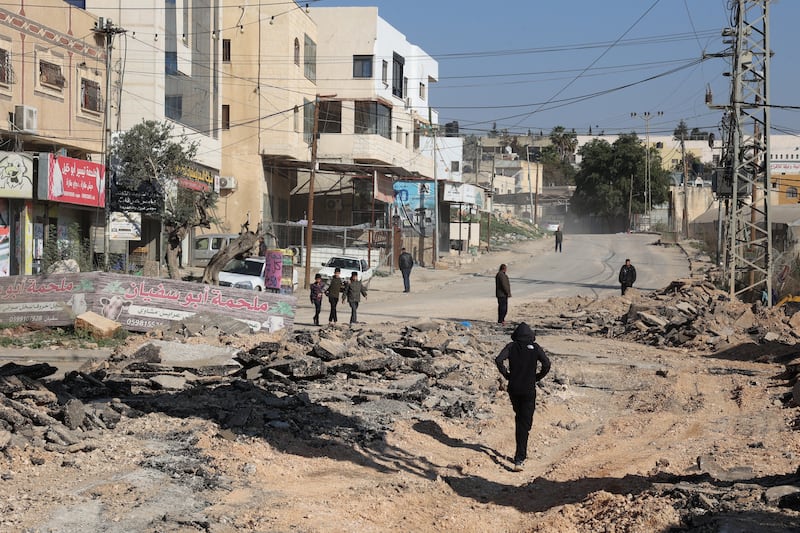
46,416
689,313
342,382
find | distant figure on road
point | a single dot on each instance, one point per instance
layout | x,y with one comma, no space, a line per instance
559,239
353,293
523,355
317,291
627,276
406,263
503,292
333,292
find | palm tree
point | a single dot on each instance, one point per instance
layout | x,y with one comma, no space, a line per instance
564,142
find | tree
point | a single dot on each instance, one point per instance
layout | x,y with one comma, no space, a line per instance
564,142
612,178
150,152
681,131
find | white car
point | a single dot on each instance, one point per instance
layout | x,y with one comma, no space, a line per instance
347,265
552,226
248,274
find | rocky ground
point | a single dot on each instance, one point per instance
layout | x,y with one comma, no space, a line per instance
668,411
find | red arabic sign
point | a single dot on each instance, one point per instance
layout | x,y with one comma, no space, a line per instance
73,181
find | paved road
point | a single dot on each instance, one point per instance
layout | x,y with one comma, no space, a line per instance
589,265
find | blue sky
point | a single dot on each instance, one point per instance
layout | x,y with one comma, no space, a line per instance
523,64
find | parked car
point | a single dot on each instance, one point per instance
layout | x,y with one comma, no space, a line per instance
206,246
551,226
347,265
248,274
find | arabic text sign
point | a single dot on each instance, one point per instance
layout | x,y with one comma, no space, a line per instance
411,193
139,304
125,226
72,181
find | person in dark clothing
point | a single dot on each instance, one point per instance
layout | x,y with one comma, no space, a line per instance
559,239
406,263
317,291
524,356
353,293
333,292
262,247
627,276
503,293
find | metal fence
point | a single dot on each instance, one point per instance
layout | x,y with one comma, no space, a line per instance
362,241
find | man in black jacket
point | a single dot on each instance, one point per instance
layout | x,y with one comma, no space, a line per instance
523,355
627,276
406,263
502,290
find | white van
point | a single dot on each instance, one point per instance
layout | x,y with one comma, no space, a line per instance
205,246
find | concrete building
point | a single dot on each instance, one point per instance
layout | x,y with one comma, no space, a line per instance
268,79
165,67
52,71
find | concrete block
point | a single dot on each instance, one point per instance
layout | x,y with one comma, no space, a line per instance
98,326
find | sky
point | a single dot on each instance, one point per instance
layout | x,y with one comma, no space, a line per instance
531,65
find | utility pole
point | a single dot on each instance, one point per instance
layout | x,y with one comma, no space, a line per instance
530,188
648,189
310,210
745,174
434,131
106,27
685,217
491,210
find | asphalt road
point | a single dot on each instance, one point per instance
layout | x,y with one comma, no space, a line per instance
588,266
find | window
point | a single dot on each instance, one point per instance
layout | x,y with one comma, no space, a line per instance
455,166
373,118
296,52
385,72
397,75
91,98
50,75
791,192
422,91
310,59
226,117
226,50
330,116
308,120
173,106
5,67
171,63
362,66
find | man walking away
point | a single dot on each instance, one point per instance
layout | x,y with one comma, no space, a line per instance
353,293
559,239
503,292
627,276
333,292
523,355
317,290
406,263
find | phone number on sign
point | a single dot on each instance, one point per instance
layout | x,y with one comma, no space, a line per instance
139,323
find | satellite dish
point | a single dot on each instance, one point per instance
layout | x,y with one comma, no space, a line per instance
508,149
711,140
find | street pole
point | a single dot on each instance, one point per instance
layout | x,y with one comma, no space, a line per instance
530,189
648,189
310,210
536,197
685,218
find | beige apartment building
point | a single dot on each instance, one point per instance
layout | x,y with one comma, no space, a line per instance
268,81
52,75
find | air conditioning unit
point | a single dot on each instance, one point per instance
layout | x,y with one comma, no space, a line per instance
26,118
227,182
333,204
408,103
